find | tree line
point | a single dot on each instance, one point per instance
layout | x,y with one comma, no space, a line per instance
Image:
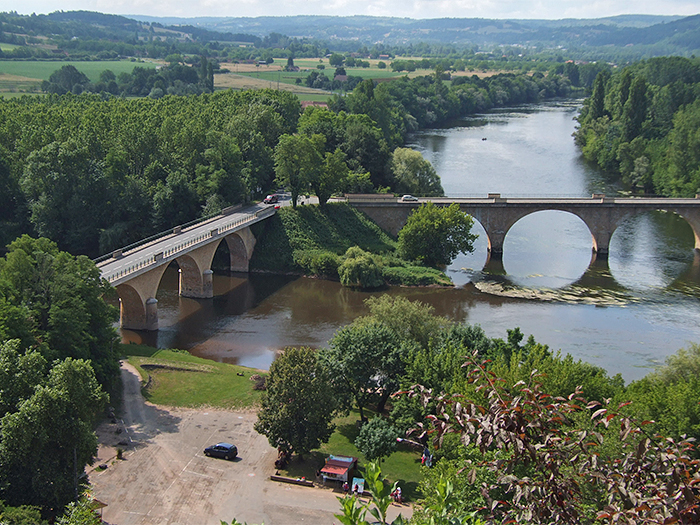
57,364
174,79
640,125
95,173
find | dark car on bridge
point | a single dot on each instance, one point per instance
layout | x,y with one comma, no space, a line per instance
222,450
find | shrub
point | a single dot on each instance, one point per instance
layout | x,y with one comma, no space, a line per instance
377,439
318,262
414,276
360,270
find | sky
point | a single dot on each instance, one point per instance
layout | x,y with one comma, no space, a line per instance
522,9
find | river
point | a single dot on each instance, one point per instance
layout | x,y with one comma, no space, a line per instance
626,315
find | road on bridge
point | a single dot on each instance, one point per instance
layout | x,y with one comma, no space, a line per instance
175,243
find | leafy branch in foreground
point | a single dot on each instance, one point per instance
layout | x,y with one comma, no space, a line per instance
558,459
377,506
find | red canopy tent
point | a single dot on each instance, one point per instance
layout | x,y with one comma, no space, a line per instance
338,468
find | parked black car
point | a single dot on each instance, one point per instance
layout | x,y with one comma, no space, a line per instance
221,450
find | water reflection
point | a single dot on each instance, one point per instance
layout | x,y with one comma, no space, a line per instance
651,250
625,314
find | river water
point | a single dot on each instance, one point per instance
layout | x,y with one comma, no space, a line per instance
625,315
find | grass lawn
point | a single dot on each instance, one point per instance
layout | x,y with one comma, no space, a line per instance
180,379
402,466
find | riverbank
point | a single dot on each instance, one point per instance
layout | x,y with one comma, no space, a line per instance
313,241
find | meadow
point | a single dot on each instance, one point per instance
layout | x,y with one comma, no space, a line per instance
27,75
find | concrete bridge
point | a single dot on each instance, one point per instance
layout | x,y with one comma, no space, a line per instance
136,273
601,214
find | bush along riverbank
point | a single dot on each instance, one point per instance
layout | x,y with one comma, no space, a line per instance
338,243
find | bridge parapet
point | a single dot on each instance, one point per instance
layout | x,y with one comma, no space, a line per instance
180,248
497,214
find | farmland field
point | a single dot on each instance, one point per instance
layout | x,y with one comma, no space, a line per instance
42,70
245,76
26,75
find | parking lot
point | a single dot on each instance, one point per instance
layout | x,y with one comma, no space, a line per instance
165,478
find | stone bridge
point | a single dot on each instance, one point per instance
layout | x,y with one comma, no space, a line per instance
136,273
601,214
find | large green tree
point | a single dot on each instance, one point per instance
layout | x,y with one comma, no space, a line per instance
54,301
297,410
298,160
331,178
366,358
65,189
413,174
435,235
47,442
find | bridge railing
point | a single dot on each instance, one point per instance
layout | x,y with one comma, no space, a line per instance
379,197
165,233
134,267
165,254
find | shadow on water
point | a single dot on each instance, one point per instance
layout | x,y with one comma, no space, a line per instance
546,284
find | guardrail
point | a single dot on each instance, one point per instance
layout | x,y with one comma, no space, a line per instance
355,197
157,258
176,230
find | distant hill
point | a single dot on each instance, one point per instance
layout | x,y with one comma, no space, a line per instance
619,38
620,30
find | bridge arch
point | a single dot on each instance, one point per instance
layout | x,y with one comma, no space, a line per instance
194,281
137,297
138,306
692,217
497,222
240,245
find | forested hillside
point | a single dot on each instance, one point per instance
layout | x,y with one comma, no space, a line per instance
630,35
89,35
640,124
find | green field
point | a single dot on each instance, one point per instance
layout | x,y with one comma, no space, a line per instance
25,76
180,379
41,70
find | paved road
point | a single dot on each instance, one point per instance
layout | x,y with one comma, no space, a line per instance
173,244
166,479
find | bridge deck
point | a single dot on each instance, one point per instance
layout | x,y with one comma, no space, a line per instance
166,249
544,201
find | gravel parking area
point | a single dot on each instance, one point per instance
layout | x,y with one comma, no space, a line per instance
165,478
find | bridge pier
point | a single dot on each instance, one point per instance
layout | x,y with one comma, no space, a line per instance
192,284
137,303
138,306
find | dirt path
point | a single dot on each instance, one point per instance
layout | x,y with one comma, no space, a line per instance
165,479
